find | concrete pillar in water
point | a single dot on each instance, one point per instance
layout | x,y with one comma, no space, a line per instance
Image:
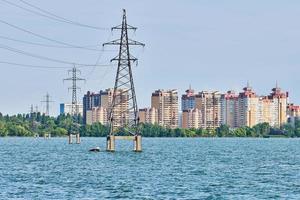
47,136
70,138
77,138
110,143
137,143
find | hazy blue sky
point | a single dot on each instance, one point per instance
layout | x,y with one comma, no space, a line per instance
211,44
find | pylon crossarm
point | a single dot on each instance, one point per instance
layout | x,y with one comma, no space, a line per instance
133,42
113,42
117,59
119,27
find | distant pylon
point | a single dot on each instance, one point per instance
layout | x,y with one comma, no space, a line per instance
31,109
36,109
74,79
123,110
47,101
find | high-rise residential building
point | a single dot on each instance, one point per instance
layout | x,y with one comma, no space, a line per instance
66,108
248,107
229,108
104,99
293,110
90,101
148,115
279,101
265,110
209,104
120,115
166,103
96,114
293,113
191,118
188,100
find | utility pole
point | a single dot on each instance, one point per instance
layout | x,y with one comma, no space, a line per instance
47,101
123,111
74,71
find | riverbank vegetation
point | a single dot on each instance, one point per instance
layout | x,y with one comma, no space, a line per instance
30,125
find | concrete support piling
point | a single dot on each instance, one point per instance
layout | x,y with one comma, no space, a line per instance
77,138
70,139
137,143
110,143
47,136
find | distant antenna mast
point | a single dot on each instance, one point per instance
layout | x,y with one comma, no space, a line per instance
74,88
47,101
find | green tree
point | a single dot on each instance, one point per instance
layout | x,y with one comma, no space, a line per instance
240,132
3,129
223,130
289,130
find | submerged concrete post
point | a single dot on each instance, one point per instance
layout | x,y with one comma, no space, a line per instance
47,136
77,138
110,143
70,138
137,143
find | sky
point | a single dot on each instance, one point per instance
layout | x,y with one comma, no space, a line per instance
208,44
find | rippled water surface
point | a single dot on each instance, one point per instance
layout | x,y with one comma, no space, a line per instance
204,168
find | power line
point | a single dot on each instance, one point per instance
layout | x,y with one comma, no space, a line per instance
42,66
41,44
44,57
56,17
31,11
31,66
44,37
97,61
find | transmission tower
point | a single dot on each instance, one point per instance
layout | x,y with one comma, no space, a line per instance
47,101
31,110
123,111
74,71
36,109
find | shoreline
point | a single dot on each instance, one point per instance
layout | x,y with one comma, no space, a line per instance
271,137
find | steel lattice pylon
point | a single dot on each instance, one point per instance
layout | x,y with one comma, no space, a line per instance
47,101
74,88
123,111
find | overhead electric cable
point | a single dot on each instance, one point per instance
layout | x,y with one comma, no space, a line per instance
41,44
46,58
44,37
61,19
98,59
32,66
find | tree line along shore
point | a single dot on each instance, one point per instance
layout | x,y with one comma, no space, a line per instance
37,124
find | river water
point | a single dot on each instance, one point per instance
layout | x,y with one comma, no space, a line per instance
168,168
